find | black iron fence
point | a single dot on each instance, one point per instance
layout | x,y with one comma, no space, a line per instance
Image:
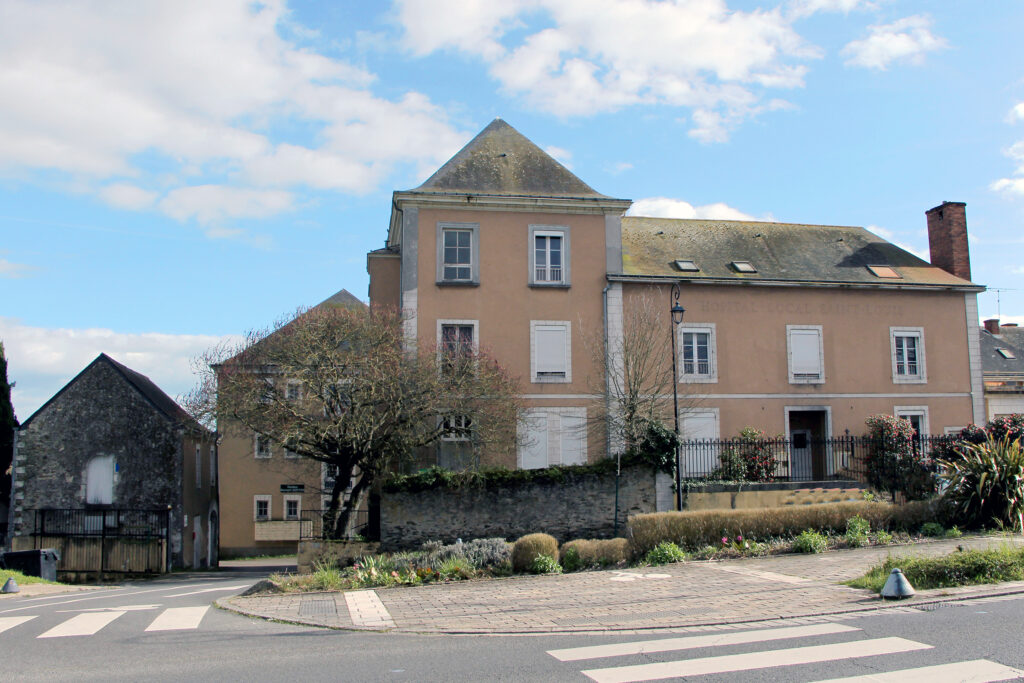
322,525
110,523
789,459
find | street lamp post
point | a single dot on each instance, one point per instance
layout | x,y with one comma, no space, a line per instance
677,312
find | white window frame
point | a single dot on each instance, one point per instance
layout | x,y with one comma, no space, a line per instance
297,498
199,467
462,422
213,464
548,231
705,456
710,377
441,323
289,386
920,411
256,438
793,379
474,253
922,376
290,455
256,500
546,379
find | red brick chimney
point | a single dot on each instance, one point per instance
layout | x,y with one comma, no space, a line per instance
947,238
992,325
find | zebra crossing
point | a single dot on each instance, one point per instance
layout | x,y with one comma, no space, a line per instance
785,653
89,622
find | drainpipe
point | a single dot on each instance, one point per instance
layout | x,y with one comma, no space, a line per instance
608,413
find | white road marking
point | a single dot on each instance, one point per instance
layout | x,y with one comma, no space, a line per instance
976,671
691,642
755,660
633,576
211,590
120,608
767,576
11,622
366,609
178,619
101,595
82,625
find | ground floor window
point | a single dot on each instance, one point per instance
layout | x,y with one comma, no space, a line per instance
553,436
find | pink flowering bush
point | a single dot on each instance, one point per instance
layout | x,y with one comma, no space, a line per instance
894,462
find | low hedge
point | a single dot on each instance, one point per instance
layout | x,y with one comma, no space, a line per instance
693,530
494,477
527,548
596,552
965,568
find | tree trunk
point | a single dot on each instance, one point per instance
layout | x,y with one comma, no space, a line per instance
332,522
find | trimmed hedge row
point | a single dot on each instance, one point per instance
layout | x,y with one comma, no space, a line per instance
696,529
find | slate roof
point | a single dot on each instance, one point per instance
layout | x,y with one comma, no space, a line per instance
502,161
781,252
993,365
343,298
163,403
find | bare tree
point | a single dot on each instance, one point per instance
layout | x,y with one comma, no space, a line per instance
335,385
633,375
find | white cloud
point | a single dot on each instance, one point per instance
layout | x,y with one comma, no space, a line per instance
41,360
804,8
14,270
1013,186
580,57
665,207
907,39
97,90
1017,113
124,196
214,204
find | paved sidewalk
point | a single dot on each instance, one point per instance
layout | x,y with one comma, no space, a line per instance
37,589
673,596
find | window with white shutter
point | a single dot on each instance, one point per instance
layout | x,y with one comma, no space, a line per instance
806,356
553,436
550,351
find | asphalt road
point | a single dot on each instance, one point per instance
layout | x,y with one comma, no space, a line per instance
142,637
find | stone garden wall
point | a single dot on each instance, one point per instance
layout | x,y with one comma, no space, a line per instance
581,506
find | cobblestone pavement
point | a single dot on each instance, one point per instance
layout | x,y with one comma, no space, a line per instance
669,597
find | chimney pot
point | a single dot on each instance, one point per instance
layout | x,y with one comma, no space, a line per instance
947,238
992,325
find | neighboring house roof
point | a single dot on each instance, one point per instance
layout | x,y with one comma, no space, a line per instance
779,252
502,161
342,298
163,403
996,366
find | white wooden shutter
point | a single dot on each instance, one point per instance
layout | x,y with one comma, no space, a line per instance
805,353
550,341
99,480
574,439
534,449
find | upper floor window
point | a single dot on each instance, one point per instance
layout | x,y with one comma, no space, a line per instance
293,390
199,467
806,354
457,342
99,480
697,353
550,351
549,255
907,344
458,253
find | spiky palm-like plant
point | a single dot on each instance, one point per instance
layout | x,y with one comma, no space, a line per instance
985,483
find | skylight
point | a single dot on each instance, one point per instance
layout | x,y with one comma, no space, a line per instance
885,271
744,267
1006,353
687,266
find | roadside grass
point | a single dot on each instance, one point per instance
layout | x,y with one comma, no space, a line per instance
21,579
961,568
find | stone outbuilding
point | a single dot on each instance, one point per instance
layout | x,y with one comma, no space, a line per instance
109,441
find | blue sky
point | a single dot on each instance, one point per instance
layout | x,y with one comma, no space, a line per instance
172,173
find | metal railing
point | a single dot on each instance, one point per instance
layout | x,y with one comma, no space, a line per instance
788,459
106,523
321,525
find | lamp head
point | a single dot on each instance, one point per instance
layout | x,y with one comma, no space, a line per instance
677,313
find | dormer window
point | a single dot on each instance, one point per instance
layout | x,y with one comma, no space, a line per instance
744,267
1006,353
686,266
885,271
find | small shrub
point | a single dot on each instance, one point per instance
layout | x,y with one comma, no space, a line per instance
985,484
327,577
954,532
857,529
571,561
665,553
597,552
810,542
893,462
883,537
455,568
527,548
965,568
932,529
545,564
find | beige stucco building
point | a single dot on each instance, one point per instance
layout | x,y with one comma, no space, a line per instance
794,329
